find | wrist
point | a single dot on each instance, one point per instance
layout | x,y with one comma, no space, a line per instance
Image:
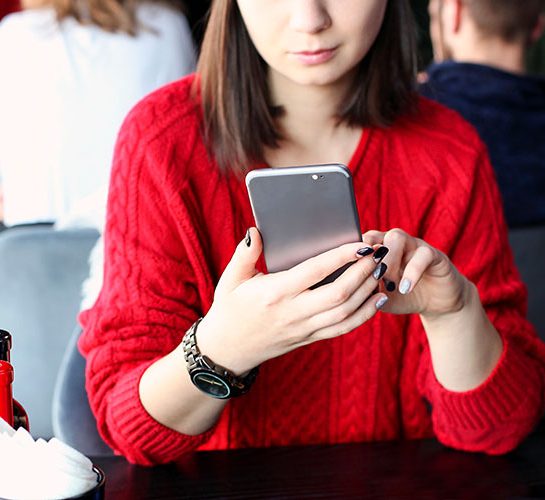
466,299
464,345
210,377
212,343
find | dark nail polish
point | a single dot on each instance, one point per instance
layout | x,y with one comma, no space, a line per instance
390,285
248,238
362,252
380,271
380,253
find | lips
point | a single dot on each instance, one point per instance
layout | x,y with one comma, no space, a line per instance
312,52
311,57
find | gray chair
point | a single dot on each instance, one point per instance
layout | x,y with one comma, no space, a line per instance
528,246
73,421
41,271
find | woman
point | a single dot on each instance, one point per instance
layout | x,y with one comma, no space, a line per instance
285,83
71,71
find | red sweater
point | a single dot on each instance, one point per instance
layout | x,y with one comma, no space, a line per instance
173,223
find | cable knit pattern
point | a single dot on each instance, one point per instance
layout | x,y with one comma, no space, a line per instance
173,223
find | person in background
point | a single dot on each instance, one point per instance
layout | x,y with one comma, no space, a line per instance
72,72
440,349
480,49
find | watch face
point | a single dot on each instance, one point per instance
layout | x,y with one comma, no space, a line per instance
211,384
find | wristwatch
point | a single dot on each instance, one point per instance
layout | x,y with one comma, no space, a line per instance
214,380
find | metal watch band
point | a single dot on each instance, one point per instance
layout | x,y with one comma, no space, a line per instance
197,361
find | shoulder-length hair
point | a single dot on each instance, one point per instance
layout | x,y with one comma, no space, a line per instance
114,16
239,120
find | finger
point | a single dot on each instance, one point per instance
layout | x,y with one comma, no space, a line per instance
306,274
373,237
345,308
398,242
361,315
424,256
242,265
335,294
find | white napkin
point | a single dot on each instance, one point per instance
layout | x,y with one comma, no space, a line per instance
41,469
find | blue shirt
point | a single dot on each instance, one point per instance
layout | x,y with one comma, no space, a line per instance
508,111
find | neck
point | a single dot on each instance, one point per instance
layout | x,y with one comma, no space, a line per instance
308,125
497,53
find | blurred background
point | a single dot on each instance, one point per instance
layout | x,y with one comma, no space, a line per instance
536,62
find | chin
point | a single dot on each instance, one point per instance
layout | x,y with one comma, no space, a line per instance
318,80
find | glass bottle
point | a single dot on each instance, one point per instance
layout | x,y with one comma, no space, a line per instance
20,417
6,398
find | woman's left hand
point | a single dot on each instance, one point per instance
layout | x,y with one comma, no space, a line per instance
426,281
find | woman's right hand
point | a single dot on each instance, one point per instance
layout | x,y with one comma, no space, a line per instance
256,317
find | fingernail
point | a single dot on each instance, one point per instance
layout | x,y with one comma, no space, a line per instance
362,252
381,302
380,253
404,286
248,238
379,271
390,285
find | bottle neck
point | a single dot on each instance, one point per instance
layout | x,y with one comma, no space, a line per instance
4,354
6,397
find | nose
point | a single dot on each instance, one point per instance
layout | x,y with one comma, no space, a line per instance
309,16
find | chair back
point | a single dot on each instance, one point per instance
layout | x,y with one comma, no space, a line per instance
528,246
73,421
41,272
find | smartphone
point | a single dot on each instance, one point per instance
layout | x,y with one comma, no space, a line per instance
302,212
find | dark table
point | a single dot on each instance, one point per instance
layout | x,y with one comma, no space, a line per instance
410,469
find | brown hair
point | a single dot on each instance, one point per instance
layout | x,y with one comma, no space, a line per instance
508,19
239,121
109,15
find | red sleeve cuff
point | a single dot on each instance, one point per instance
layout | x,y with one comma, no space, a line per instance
495,416
138,436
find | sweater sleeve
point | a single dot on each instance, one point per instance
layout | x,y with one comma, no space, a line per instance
148,300
498,414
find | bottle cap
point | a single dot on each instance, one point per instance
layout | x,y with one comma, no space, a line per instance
5,345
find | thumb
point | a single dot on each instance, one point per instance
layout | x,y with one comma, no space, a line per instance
242,265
